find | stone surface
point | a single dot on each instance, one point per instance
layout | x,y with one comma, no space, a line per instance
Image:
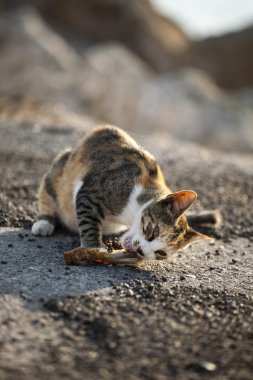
187,104
43,72
153,37
188,317
159,41
36,62
227,58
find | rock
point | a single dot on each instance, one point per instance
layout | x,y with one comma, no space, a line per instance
52,317
111,83
45,80
35,61
40,74
172,318
202,366
135,23
186,104
227,58
156,39
189,106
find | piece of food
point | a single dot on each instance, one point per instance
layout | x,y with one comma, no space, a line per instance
122,257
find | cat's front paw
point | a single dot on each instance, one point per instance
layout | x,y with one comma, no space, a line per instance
42,228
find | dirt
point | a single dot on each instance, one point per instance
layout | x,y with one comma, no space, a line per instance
162,331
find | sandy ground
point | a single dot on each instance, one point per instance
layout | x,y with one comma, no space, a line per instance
187,318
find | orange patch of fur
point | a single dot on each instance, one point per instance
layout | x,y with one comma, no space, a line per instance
74,171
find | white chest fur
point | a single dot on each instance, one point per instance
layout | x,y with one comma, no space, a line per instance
77,186
130,211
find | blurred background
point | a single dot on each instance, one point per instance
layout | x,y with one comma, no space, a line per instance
161,68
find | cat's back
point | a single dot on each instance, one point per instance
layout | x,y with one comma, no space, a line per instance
109,148
106,140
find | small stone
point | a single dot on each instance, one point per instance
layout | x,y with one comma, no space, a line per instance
182,278
3,262
190,276
209,315
203,366
208,366
50,270
130,292
59,304
10,245
23,295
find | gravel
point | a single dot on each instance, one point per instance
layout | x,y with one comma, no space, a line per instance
186,318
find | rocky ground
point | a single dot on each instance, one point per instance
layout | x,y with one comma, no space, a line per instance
187,318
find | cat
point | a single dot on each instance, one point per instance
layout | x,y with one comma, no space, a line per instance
109,184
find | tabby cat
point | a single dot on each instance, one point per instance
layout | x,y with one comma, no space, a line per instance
108,184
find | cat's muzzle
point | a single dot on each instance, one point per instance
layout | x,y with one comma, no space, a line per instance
130,246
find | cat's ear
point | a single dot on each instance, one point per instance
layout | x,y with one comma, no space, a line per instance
180,201
191,236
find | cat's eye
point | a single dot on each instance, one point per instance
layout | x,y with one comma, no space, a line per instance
156,232
161,254
148,231
154,235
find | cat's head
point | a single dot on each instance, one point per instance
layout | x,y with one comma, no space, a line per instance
162,228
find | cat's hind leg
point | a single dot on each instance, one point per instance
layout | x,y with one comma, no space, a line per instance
45,225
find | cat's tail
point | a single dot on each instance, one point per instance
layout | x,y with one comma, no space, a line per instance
207,219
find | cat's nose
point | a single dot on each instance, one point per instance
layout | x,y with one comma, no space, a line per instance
140,252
